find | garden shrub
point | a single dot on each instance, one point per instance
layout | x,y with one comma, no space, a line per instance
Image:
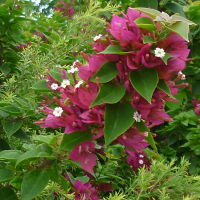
104,98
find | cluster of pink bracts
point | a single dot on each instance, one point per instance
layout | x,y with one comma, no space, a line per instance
73,110
65,8
196,106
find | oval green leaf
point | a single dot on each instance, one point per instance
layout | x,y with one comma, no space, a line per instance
109,93
166,57
162,85
145,82
106,73
145,23
73,139
118,119
141,126
56,75
10,127
181,28
114,49
41,86
10,154
33,183
42,151
151,141
149,11
12,110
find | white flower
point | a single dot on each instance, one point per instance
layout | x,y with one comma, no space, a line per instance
74,63
72,70
54,86
57,111
181,75
97,37
137,116
65,83
141,162
159,52
78,84
141,156
163,17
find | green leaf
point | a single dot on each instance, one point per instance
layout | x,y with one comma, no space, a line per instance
5,68
84,179
48,139
55,35
10,127
166,57
106,73
147,3
109,93
149,11
5,175
145,23
162,85
56,75
3,114
33,183
11,110
181,28
10,154
145,82
42,151
7,193
141,126
147,39
69,141
175,8
118,119
151,141
41,86
16,182
180,18
114,49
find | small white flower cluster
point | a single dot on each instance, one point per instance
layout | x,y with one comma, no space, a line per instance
73,68
163,17
181,75
97,37
137,116
65,83
159,52
57,111
79,84
54,86
141,162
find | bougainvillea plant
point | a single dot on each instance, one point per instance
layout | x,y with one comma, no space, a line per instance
120,91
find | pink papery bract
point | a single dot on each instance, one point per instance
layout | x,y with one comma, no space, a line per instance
85,154
85,191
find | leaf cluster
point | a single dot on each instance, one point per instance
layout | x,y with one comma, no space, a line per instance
162,181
